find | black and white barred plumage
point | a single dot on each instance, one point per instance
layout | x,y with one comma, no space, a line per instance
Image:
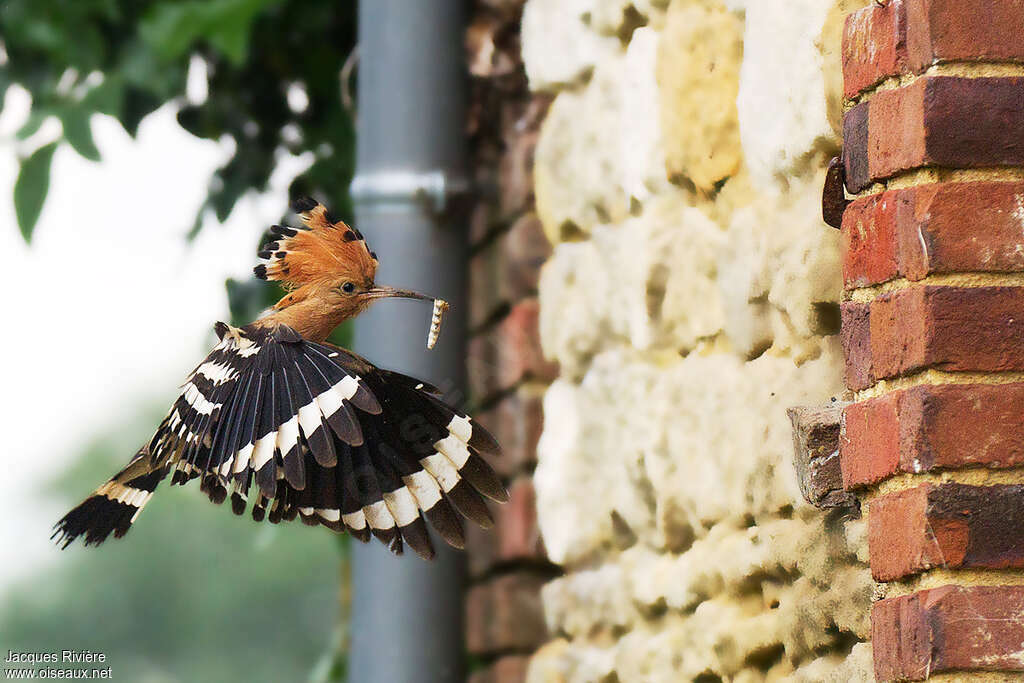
289,427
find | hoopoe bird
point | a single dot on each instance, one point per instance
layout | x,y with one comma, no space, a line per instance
290,426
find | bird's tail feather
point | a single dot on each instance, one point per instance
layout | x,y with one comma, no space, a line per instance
114,506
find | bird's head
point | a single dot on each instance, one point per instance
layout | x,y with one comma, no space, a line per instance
328,269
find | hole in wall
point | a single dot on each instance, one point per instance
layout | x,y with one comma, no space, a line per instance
708,677
765,658
825,318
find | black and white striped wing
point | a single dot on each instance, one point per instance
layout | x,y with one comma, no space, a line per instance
312,430
113,507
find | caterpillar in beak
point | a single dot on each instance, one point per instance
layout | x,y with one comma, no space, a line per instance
440,306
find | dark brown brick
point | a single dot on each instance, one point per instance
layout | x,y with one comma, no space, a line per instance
816,455
947,629
486,296
908,36
504,614
482,366
855,334
515,537
949,525
855,147
510,669
950,328
516,421
973,122
524,249
935,121
507,269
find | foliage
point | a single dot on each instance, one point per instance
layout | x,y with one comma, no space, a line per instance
78,58
192,593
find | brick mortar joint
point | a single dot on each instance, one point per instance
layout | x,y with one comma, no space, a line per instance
935,175
964,279
954,68
935,377
968,476
939,577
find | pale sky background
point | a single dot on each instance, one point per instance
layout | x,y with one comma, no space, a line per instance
109,307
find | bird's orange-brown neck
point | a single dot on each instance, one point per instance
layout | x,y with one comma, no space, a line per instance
314,317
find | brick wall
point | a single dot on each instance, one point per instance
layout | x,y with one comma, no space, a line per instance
933,329
507,370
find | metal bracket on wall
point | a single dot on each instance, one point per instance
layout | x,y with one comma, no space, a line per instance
433,189
833,194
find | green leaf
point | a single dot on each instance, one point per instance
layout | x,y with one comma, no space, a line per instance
31,126
78,132
106,98
31,188
172,29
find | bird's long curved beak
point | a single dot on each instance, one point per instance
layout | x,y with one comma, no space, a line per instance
385,292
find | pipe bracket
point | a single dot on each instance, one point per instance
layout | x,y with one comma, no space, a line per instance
434,189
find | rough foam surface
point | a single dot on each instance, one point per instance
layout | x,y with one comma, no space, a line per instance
692,296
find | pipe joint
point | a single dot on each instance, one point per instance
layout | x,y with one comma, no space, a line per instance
397,189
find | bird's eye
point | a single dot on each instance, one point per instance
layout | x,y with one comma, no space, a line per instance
348,288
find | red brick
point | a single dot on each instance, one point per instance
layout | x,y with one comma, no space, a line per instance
949,525
962,425
899,332
939,228
954,227
515,536
896,130
935,121
855,334
951,328
869,441
946,426
947,629
873,46
908,36
506,269
524,249
948,30
509,353
510,669
516,421
504,614
869,241
519,353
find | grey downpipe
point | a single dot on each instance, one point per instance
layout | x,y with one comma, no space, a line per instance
407,614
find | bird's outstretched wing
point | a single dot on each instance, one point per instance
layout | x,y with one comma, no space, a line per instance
113,507
312,430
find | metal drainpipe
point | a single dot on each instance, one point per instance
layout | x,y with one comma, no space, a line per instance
407,614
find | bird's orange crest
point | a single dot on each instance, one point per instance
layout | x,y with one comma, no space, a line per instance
329,251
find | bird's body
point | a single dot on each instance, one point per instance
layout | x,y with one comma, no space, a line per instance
290,426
